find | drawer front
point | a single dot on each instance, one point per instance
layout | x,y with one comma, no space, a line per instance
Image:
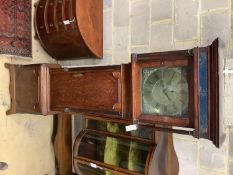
60,15
50,19
40,25
97,91
27,89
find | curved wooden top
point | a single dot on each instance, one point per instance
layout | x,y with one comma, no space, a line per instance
89,14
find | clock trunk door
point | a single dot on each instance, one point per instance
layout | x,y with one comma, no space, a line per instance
89,90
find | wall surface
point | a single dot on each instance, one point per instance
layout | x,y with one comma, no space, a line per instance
161,25
25,140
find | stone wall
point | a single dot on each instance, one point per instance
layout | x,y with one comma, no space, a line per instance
161,25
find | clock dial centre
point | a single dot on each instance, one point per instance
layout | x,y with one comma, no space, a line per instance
165,91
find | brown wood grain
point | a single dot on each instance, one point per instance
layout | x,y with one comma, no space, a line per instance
163,59
70,29
164,120
194,104
126,88
89,14
165,159
29,88
63,144
213,96
87,90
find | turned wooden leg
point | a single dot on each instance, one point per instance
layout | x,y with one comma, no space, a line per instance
63,144
166,162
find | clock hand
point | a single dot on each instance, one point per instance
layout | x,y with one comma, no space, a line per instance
169,89
167,96
169,83
171,78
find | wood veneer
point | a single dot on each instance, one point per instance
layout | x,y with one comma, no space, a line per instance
91,90
49,89
70,29
112,92
157,60
30,88
204,126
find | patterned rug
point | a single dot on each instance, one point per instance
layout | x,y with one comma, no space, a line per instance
15,27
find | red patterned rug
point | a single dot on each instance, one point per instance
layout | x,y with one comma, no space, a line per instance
15,27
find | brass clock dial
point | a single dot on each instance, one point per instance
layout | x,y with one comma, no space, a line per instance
165,91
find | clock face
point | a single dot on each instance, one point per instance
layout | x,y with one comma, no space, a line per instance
164,91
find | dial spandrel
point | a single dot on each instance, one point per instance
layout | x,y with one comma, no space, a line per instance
165,91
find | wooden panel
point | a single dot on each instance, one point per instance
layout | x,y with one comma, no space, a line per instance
29,88
63,144
158,60
50,11
24,89
165,161
70,28
213,106
40,23
89,14
126,77
59,17
195,92
82,90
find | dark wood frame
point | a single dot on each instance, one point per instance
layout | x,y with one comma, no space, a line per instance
213,106
118,121
164,59
62,140
150,60
112,168
109,118
41,71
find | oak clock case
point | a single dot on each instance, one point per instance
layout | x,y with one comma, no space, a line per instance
178,88
29,88
101,90
163,90
49,89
